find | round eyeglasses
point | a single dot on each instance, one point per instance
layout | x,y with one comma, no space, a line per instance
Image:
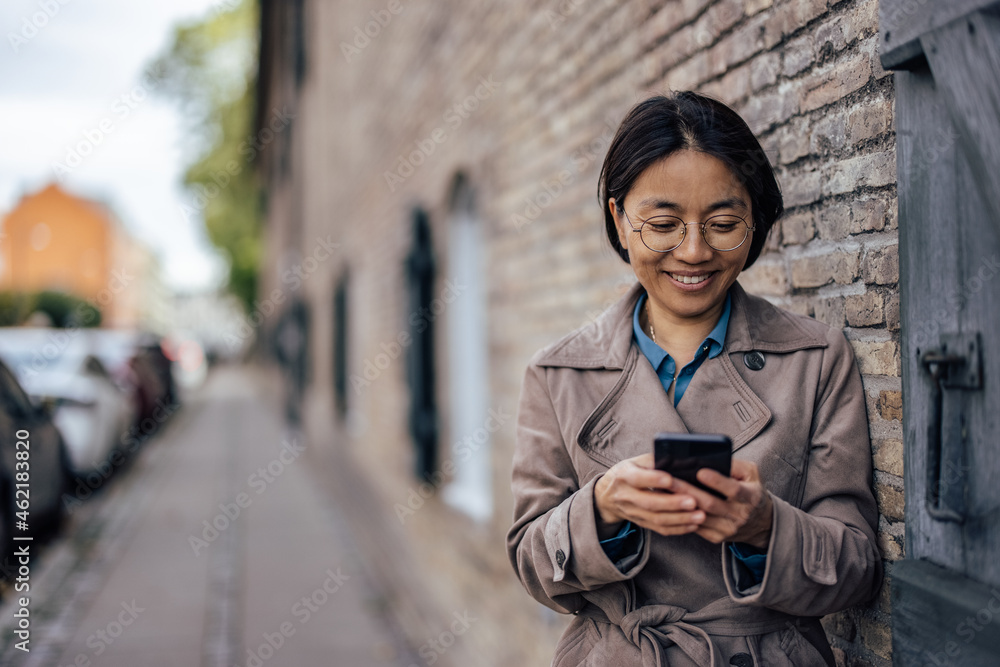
663,233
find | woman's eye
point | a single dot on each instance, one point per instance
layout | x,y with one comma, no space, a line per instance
724,224
663,226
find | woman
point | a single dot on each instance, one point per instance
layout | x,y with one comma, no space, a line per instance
657,571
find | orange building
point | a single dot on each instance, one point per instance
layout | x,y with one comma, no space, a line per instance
54,240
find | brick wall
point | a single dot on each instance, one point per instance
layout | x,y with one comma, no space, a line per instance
540,89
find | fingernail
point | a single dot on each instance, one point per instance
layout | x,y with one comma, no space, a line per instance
688,504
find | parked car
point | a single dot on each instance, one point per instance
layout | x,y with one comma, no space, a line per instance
56,369
31,448
137,363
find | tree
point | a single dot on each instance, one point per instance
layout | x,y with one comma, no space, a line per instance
210,69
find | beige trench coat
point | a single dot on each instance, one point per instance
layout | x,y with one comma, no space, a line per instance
592,399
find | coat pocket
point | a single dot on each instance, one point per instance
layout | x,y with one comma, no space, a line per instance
786,648
576,643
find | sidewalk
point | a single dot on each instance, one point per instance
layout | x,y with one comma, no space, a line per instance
217,548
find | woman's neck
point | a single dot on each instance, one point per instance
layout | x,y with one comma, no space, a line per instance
679,336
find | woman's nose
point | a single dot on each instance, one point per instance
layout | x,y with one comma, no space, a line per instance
693,249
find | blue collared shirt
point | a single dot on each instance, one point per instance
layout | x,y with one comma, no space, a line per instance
664,364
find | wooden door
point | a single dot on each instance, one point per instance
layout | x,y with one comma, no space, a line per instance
946,594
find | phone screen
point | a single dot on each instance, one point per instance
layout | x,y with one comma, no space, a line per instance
684,454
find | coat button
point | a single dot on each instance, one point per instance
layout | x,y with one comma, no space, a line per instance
560,557
754,360
741,660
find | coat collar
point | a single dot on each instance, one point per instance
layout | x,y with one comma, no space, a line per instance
754,324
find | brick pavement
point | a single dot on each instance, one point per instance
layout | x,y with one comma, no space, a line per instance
159,569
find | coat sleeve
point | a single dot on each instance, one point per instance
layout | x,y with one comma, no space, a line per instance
553,542
823,555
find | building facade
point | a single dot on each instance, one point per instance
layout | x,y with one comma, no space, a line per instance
432,174
56,240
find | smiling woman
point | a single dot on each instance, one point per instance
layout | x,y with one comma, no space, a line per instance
657,570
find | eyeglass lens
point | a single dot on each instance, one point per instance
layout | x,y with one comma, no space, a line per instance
721,232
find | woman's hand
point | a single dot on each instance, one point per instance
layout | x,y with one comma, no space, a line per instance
746,513
633,490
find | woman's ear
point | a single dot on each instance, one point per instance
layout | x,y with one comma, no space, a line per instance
620,223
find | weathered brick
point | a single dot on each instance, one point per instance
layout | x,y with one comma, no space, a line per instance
798,55
835,222
877,357
876,635
841,625
766,278
890,501
764,70
793,140
873,170
881,266
754,6
887,455
890,405
831,311
892,312
871,119
798,13
865,310
868,215
844,79
829,134
834,267
763,111
801,188
833,35
798,228
891,546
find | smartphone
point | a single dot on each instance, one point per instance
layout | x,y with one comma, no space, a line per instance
684,454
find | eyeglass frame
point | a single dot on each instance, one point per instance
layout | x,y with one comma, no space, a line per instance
701,227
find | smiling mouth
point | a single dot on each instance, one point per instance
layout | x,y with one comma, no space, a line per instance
690,280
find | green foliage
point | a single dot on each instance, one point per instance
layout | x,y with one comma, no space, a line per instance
14,308
64,310
210,69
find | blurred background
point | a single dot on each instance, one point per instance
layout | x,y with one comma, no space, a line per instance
271,272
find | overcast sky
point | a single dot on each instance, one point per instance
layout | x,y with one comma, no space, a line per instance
77,83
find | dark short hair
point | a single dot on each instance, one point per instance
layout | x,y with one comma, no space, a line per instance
660,126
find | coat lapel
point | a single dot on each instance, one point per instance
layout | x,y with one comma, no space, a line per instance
632,413
718,400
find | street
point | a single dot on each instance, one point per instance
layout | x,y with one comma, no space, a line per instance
219,546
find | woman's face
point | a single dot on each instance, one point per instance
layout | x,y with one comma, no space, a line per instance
690,281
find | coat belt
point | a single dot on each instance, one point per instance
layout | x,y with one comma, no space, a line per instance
653,627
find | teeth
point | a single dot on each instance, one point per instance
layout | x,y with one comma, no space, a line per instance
689,280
